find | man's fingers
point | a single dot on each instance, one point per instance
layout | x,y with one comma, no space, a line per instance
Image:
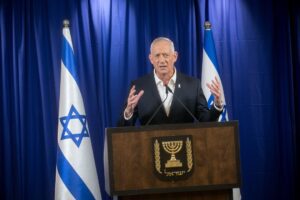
132,91
137,97
132,101
217,80
217,95
214,90
216,84
211,87
140,94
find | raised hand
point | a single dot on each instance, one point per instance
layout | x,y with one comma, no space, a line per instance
215,89
132,101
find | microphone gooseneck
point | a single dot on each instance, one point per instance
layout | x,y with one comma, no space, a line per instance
156,111
190,113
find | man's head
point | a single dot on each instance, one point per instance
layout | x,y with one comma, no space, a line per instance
163,56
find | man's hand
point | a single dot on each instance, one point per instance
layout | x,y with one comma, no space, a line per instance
215,89
132,101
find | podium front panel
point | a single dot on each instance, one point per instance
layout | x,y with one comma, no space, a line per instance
215,158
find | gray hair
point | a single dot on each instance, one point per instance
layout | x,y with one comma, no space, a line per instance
162,39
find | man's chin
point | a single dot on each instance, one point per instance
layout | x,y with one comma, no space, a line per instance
163,73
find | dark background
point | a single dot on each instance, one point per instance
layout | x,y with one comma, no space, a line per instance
257,43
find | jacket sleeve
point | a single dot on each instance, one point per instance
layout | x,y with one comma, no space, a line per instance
123,122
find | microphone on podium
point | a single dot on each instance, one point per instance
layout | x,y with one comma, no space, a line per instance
190,113
156,111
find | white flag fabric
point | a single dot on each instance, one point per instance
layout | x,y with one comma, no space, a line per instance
210,70
76,175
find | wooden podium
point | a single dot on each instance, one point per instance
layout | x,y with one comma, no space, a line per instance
216,166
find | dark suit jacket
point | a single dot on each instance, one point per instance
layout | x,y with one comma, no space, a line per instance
187,89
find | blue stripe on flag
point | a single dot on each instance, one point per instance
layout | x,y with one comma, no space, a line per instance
210,48
210,101
68,59
223,115
71,179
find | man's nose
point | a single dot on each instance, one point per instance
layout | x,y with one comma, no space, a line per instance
161,59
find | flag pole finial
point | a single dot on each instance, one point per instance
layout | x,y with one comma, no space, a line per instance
207,25
66,23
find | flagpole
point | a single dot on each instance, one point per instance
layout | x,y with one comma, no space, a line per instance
210,70
207,25
66,23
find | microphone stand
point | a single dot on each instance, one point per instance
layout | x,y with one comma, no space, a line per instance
190,113
156,111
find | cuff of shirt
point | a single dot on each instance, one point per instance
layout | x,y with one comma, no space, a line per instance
216,107
127,118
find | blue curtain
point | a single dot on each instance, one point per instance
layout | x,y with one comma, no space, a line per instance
257,43
294,9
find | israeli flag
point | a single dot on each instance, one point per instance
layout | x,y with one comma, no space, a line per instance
76,175
210,70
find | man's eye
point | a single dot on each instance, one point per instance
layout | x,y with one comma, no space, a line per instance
165,55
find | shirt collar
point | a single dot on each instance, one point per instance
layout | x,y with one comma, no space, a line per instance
172,80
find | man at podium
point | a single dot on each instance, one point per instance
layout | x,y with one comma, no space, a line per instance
166,96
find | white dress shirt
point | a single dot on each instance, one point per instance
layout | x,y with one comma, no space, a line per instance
162,90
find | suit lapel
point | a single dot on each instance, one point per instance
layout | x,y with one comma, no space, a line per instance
177,93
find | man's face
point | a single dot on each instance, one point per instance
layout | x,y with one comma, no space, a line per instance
163,58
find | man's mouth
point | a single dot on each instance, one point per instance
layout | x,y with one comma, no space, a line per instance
163,66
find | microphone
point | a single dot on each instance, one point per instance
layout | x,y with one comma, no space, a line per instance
156,111
190,113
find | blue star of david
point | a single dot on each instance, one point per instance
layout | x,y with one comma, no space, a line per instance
67,133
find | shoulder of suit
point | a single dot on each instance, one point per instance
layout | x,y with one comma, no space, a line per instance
144,79
180,77
184,77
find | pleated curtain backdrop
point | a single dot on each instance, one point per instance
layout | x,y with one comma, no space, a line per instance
257,44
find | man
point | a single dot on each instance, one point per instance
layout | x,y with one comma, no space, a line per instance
165,85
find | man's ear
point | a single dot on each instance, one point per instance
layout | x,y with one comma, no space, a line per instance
175,56
151,58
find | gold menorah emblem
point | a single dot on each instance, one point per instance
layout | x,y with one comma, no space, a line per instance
172,147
